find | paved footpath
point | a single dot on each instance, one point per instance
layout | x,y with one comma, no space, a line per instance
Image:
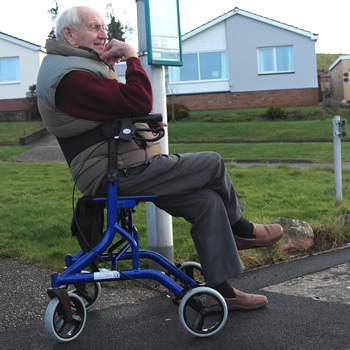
309,308
47,149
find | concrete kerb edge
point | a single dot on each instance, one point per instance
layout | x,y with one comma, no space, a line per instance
33,136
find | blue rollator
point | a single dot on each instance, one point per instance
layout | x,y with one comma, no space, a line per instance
202,310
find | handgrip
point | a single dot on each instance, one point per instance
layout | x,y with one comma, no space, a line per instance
151,119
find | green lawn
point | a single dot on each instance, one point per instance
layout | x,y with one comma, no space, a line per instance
36,206
251,131
36,209
10,132
320,152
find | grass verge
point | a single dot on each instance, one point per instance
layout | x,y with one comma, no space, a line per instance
319,152
10,132
36,210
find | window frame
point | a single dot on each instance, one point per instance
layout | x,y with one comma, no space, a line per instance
275,60
199,80
17,71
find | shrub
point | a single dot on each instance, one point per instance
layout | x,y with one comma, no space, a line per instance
180,112
33,100
275,113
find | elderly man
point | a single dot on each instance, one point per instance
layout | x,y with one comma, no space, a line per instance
78,91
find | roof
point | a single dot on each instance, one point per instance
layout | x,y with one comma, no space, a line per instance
21,42
237,11
340,58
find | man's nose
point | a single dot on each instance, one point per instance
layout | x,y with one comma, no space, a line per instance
102,34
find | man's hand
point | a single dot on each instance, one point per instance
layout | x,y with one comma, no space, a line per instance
162,125
115,50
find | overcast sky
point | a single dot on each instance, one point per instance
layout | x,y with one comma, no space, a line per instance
29,20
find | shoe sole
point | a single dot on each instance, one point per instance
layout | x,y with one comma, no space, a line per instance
245,308
259,245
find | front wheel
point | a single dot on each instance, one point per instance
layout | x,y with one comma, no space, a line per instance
60,329
203,311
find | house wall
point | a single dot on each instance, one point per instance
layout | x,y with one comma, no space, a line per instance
346,69
241,36
120,70
246,36
212,39
30,58
336,75
340,88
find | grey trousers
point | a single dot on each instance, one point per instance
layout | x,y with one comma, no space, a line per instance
197,187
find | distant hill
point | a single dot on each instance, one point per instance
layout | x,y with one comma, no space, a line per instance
324,60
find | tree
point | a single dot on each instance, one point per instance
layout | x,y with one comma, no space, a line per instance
115,29
33,100
54,12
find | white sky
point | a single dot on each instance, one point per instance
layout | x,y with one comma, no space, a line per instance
29,19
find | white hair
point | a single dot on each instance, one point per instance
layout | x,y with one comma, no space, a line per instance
69,18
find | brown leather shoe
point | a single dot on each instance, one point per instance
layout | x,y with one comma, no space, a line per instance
265,235
244,301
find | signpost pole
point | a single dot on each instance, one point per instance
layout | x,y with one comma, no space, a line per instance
159,223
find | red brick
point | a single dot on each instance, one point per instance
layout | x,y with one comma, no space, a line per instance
292,97
15,104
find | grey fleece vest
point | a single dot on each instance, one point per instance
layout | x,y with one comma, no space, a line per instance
90,166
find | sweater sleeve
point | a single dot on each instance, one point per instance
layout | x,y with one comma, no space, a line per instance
84,95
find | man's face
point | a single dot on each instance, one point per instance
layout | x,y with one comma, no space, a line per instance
91,32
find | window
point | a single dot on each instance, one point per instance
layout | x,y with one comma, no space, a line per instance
276,60
201,66
9,69
189,70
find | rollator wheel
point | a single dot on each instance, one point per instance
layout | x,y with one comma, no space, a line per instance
90,293
203,311
59,329
193,270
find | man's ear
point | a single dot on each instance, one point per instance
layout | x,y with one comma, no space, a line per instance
68,35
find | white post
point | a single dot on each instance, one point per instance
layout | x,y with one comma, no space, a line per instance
159,223
337,159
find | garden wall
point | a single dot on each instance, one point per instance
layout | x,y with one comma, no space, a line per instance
292,97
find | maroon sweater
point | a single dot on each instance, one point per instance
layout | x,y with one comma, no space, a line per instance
85,95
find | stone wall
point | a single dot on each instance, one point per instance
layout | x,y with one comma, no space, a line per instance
15,110
15,116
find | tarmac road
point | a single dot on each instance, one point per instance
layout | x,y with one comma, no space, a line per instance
309,308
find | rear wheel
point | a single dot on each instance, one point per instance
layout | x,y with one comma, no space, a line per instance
193,270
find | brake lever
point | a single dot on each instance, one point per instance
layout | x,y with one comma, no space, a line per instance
158,130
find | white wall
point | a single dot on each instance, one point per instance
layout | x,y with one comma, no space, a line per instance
30,57
246,35
212,39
